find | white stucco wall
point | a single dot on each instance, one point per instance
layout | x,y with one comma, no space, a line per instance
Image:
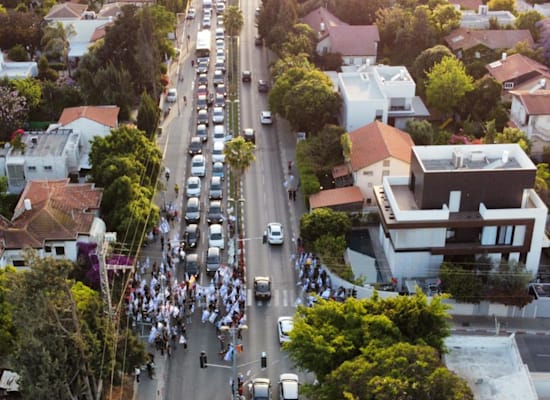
365,181
88,130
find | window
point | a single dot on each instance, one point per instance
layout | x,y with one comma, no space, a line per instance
47,249
508,85
477,54
31,168
505,235
48,167
59,251
386,172
367,173
386,163
369,201
18,263
450,233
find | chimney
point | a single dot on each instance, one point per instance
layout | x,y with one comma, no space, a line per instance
28,205
503,57
505,156
322,27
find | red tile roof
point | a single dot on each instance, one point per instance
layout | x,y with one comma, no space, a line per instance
99,33
105,115
59,211
468,4
515,66
536,103
354,40
322,15
66,11
335,197
464,38
376,142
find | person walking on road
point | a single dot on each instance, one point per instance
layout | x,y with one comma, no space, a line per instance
138,373
177,190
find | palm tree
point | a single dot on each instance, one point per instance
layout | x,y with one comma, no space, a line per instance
233,20
239,154
55,41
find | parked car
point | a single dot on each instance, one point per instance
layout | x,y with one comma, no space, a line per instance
195,146
220,53
191,13
206,22
284,326
202,132
215,212
247,76
193,187
218,115
192,236
274,233
193,210
172,95
202,90
263,86
213,260
221,134
261,389
215,191
220,44
249,135
202,117
218,169
288,387
262,287
198,165
215,236
192,265
266,118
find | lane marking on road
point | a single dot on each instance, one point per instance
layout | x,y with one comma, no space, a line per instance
285,298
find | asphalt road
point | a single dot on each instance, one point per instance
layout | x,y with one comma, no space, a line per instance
535,352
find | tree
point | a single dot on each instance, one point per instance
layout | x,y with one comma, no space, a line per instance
55,42
239,155
508,284
355,12
525,49
13,111
447,84
233,20
276,20
529,20
148,52
23,28
421,132
288,62
483,99
464,285
148,116
425,62
324,150
502,5
30,89
514,135
542,179
301,40
445,18
322,221
8,332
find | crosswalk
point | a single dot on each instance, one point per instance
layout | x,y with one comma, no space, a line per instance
279,298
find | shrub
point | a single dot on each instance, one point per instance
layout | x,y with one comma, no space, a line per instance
18,53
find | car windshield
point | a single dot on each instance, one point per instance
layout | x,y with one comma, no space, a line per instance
286,327
262,286
197,163
216,236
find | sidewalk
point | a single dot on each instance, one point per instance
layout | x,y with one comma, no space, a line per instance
506,326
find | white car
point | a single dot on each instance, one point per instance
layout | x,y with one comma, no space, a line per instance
206,22
266,118
220,53
215,236
198,165
220,33
284,326
191,13
193,187
274,233
288,387
218,151
218,115
172,95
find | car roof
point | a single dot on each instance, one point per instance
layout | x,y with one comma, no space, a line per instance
192,257
196,139
213,251
193,178
262,279
289,383
191,228
218,164
215,228
266,113
172,90
274,226
216,179
215,203
197,157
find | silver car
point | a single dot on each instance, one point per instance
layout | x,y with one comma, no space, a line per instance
218,115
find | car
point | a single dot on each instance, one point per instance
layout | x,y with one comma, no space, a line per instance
192,265
202,90
249,135
262,287
202,117
260,389
213,260
220,134
257,12
207,12
220,53
284,326
218,151
206,22
195,146
218,79
218,170
193,187
288,386
192,236
220,33
191,13
220,89
263,86
219,20
215,236
266,118
219,101
215,212
202,79
193,210
172,95
220,44
198,165
218,115
202,68
246,76
220,64
205,59
258,41
220,7
274,233
215,192
202,102
202,132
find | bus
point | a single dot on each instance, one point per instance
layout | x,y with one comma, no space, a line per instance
204,41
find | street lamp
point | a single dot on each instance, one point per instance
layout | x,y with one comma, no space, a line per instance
234,331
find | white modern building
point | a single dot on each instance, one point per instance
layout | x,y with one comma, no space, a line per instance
461,200
17,70
481,19
379,92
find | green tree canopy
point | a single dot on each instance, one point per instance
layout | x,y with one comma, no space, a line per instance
421,131
276,20
425,61
23,28
447,84
482,100
239,155
528,20
514,135
502,5
233,20
322,221
148,116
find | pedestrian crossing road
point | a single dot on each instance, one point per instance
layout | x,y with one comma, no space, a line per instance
279,298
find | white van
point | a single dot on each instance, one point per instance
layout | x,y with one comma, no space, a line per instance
215,236
218,151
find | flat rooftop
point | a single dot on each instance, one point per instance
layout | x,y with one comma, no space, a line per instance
360,86
472,157
42,144
491,365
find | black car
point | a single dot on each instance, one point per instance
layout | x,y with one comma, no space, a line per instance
219,100
215,213
249,135
202,79
202,68
195,146
263,86
202,132
262,287
192,236
247,76
202,117
258,41
192,265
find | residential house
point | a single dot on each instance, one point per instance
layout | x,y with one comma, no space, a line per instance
543,8
358,44
67,11
481,19
348,199
51,155
379,92
530,112
483,45
517,72
17,70
89,121
378,150
86,33
51,217
467,4
461,200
